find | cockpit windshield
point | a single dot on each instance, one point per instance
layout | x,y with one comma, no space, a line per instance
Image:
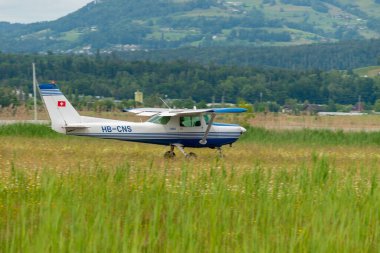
162,120
206,118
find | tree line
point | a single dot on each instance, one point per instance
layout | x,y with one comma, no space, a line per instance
345,55
111,76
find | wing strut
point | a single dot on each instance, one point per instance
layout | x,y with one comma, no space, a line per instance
204,138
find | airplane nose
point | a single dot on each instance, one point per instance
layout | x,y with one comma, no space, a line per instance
243,130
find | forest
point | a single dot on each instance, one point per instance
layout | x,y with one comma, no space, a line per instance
111,76
346,55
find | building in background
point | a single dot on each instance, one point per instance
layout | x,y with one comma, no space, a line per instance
139,97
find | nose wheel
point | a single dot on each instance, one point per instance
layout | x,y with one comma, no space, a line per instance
220,154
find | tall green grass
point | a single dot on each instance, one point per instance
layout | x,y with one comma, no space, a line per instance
27,130
187,209
311,137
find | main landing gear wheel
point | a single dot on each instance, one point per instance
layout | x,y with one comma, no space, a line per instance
191,155
169,154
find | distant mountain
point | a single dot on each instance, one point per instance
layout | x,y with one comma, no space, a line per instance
120,25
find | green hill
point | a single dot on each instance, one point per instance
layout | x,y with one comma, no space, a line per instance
117,25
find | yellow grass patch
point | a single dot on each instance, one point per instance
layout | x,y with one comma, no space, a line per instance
68,153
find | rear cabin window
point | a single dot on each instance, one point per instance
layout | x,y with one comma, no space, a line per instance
162,120
190,121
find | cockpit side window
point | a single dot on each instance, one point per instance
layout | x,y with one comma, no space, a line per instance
190,121
162,120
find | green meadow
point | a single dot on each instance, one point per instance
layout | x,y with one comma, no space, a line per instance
274,191
370,71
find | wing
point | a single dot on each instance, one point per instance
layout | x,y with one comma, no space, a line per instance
229,110
146,111
178,112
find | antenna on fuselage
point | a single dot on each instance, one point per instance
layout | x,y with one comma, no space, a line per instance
163,101
34,91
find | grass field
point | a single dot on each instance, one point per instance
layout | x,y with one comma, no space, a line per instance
275,191
367,123
370,71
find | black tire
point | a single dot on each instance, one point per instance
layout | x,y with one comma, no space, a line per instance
169,154
191,155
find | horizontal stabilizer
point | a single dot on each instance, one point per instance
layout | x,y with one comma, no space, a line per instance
76,126
73,127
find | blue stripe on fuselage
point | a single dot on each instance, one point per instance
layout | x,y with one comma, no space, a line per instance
188,141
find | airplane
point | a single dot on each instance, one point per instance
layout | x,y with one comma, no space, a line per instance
178,128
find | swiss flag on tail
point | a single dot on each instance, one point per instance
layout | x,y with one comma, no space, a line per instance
61,104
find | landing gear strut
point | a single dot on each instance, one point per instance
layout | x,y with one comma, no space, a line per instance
171,154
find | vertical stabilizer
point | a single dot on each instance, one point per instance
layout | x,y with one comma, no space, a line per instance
60,110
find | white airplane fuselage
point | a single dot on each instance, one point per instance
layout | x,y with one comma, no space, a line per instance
162,134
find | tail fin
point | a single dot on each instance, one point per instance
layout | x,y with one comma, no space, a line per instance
61,112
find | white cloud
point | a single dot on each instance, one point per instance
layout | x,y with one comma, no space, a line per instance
28,11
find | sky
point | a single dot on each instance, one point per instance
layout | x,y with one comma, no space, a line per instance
29,11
